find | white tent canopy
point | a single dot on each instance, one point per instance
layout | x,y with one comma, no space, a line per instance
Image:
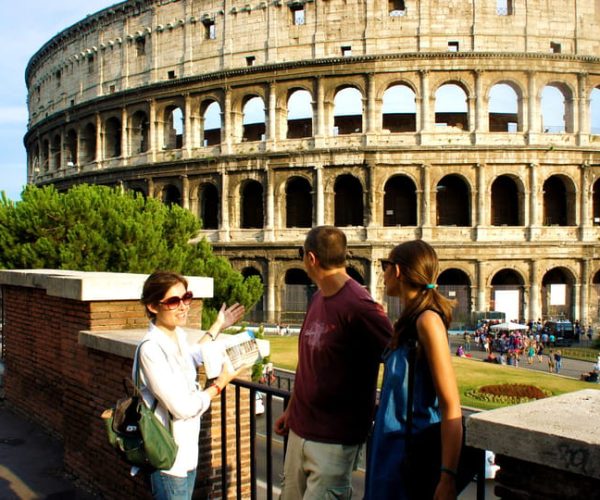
510,326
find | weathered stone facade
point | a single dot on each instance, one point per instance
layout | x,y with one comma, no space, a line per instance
510,203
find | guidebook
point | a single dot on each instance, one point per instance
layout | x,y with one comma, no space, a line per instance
240,350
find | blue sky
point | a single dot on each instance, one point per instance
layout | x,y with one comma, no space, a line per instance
24,28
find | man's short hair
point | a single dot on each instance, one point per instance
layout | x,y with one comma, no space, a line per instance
328,243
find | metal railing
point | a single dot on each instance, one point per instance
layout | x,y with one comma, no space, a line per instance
270,393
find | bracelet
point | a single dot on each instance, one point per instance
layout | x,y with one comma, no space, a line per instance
213,338
451,472
217,387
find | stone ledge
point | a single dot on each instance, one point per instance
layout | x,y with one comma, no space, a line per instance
561,432
123,342
92,286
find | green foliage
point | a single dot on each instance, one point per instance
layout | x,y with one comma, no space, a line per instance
97,228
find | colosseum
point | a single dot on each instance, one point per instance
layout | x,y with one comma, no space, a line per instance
468,124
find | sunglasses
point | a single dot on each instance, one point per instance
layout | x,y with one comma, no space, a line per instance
174,302
385,263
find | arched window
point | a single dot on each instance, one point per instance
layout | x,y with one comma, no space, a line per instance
140,128
254,120
56,153
455,284
297,292
503,109
559,202
112,138
507,295
298,203
71,148
347,111
553,110
171,195
348,201
88,143
300,115
505,202
558,294
212,124
209,206
173,128
399,109
400,202
452,202
45,159
355,275
252,205
451,108
596,203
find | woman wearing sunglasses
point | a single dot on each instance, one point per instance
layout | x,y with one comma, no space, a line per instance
418,369
168,374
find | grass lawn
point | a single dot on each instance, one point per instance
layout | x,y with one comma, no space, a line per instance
470,374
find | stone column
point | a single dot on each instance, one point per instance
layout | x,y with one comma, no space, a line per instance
124,134
425,102
584,315
535,123
272,313
370,111
270,205
481,288
188,133
319,189
481,124
373,279
371,196
584,126
483,202
585,218
425,220
224,229
99,137
272,125
320,112
534,298
185,192
534,222
150,186
152,139
226,124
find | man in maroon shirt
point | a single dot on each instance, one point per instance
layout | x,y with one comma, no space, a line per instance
339,352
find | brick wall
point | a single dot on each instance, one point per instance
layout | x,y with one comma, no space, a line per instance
65,386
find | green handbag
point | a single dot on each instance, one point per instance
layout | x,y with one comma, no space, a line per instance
135,431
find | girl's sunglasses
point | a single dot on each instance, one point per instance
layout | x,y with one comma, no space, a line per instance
173,302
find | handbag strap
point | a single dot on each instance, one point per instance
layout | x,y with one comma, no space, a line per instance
136,378
412,359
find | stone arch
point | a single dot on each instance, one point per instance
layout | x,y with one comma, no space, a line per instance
453,207
558,293
208,205
399,109
296,293
508,294
257,313
299,113
71,147
556,106
400,202
452,106
455,284
355,275
211,122
112,137
56,152
34,154
171,195
596,203
348,201
139,132
44,156
348,110
298,202
252,205
173,129
560,201
87,143
254,121
505,107
507,206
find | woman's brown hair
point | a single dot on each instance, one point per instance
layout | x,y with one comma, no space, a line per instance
419,269
156,286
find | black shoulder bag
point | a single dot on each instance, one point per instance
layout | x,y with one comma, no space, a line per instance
424,449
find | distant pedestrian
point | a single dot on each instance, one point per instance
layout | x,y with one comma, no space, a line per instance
551,362
558,361
590,333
